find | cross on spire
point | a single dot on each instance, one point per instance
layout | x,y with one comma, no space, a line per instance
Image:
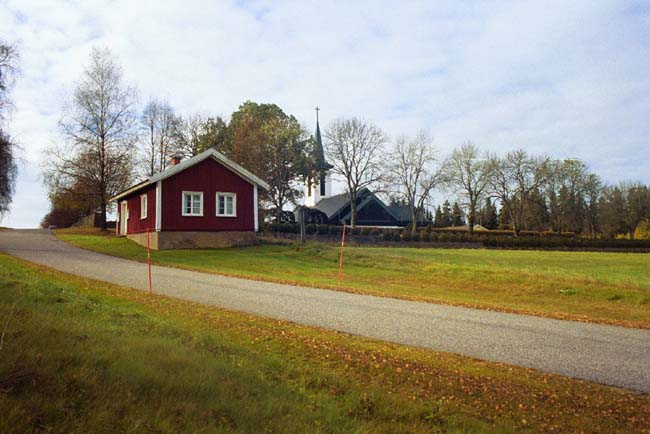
317,110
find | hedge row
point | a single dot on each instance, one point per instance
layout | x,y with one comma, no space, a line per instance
494,239
294,228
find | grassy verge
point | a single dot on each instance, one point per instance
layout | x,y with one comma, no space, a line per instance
85,356
611,288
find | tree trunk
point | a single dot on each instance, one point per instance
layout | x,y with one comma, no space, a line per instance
470,218
414,218
103,214
353,211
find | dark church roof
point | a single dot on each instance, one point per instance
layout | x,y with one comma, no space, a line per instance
371,210
333,204
319,153
403,214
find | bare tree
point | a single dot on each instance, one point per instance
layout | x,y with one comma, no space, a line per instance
8,71
564,188
513,179
159,127
8,168
354,147
593,188
189,134
468,173
98,126
412,172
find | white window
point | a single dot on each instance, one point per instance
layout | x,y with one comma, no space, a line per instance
192,203
143,207
226,205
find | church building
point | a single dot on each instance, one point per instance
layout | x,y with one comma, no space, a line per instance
321,207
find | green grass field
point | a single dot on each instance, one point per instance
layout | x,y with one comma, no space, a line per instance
601,287
83,356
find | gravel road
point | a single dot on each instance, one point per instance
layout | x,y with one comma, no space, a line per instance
604,354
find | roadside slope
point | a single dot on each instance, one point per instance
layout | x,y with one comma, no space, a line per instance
604,354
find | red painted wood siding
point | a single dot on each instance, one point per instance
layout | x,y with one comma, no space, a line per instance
209,177
135,224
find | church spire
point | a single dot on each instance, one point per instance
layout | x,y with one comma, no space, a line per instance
319,153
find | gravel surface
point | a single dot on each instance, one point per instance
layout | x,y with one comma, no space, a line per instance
605,354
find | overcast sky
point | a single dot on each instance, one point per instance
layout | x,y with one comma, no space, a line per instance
567,78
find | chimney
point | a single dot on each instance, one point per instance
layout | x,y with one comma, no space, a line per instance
176,159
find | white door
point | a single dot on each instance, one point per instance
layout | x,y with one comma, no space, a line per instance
124,215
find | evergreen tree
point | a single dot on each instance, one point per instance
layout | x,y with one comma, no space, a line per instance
457,215
446,220
488,217
438,219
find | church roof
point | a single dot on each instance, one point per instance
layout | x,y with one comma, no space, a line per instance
319,153
332,205
403,214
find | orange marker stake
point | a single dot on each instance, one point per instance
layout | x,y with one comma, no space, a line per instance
149,262
341,259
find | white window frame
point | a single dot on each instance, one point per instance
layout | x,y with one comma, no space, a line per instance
193,214
234,203
143,209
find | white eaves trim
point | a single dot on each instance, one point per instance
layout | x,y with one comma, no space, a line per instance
210,153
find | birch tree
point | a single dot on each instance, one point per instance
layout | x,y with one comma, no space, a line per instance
99,135
8,168
412,172
468,173
159,125
355,149
513,180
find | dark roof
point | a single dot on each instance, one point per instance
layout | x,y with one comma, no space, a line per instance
331,205
403,214
319,153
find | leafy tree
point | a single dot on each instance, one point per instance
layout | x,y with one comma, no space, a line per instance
68,205
98,125
214,134
269,143
354,147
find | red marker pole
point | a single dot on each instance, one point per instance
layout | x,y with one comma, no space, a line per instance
149,262
341,258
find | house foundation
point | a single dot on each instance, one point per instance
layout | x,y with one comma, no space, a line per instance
195,239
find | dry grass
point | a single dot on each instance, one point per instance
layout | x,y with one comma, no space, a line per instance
87,356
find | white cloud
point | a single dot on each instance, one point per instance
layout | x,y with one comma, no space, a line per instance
564,78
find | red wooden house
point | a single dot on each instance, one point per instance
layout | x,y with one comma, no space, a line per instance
205,201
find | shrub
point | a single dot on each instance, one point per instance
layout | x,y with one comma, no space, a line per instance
322,229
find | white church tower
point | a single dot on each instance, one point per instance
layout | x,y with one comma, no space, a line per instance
320,186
